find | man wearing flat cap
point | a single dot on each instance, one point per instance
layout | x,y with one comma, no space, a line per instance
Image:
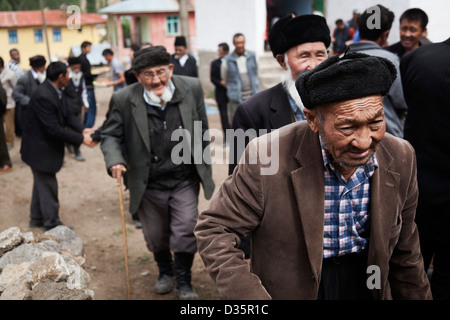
163,190
25,87
336,221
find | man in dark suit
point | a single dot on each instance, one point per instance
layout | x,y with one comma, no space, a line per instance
44,136
184,64
25,88
426,82
220,86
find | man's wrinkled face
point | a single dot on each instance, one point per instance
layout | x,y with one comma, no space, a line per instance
350,130
305,56
410,33
156,79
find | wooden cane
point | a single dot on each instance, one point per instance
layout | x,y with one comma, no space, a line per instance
124,234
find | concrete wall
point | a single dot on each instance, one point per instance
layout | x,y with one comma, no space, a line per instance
436,10
218,20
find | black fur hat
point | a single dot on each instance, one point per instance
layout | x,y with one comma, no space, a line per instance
353,76
289,32
37,61
150,57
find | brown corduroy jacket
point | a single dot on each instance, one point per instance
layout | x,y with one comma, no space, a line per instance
284,212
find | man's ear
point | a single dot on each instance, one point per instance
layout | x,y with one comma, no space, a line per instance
312,119
280,59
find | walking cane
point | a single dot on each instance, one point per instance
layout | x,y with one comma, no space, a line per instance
124,234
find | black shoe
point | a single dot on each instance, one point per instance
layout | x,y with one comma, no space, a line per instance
182,266
164,284
57,225
36,223
186,293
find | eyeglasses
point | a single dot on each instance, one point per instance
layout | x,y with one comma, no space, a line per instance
150,75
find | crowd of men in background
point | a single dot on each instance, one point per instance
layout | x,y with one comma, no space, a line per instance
416,108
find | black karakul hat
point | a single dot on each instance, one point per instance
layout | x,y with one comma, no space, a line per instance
289,32
353,76
180,41
37,61
150,57
73,60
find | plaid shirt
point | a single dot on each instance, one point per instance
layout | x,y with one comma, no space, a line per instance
346,208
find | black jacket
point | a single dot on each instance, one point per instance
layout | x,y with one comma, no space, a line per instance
268,110
220,91
44,131
189,69
426,85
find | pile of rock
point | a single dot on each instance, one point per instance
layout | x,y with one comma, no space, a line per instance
47,266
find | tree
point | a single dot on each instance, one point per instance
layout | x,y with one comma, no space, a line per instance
5,6
19,5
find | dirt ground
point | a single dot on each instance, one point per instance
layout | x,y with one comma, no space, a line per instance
89,202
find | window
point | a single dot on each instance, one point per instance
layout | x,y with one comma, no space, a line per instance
12,35
57,35
172,23
38,37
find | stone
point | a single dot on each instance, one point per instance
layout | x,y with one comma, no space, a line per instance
51,266
9,239
28,237
68,239
23,253
49,290
17,291
13,273
49,245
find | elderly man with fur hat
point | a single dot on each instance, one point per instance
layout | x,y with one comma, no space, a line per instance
336,220
298,44
163,190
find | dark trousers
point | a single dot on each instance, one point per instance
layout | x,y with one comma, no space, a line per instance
433,220
4,154
223,110
439,252
44,200
168,218
89,116
344,278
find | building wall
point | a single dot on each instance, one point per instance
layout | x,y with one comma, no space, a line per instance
217,21
158,32
58,50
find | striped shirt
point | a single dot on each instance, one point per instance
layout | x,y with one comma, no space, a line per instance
15,67
346,208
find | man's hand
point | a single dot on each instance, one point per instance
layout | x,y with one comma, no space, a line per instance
87,139
116,171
